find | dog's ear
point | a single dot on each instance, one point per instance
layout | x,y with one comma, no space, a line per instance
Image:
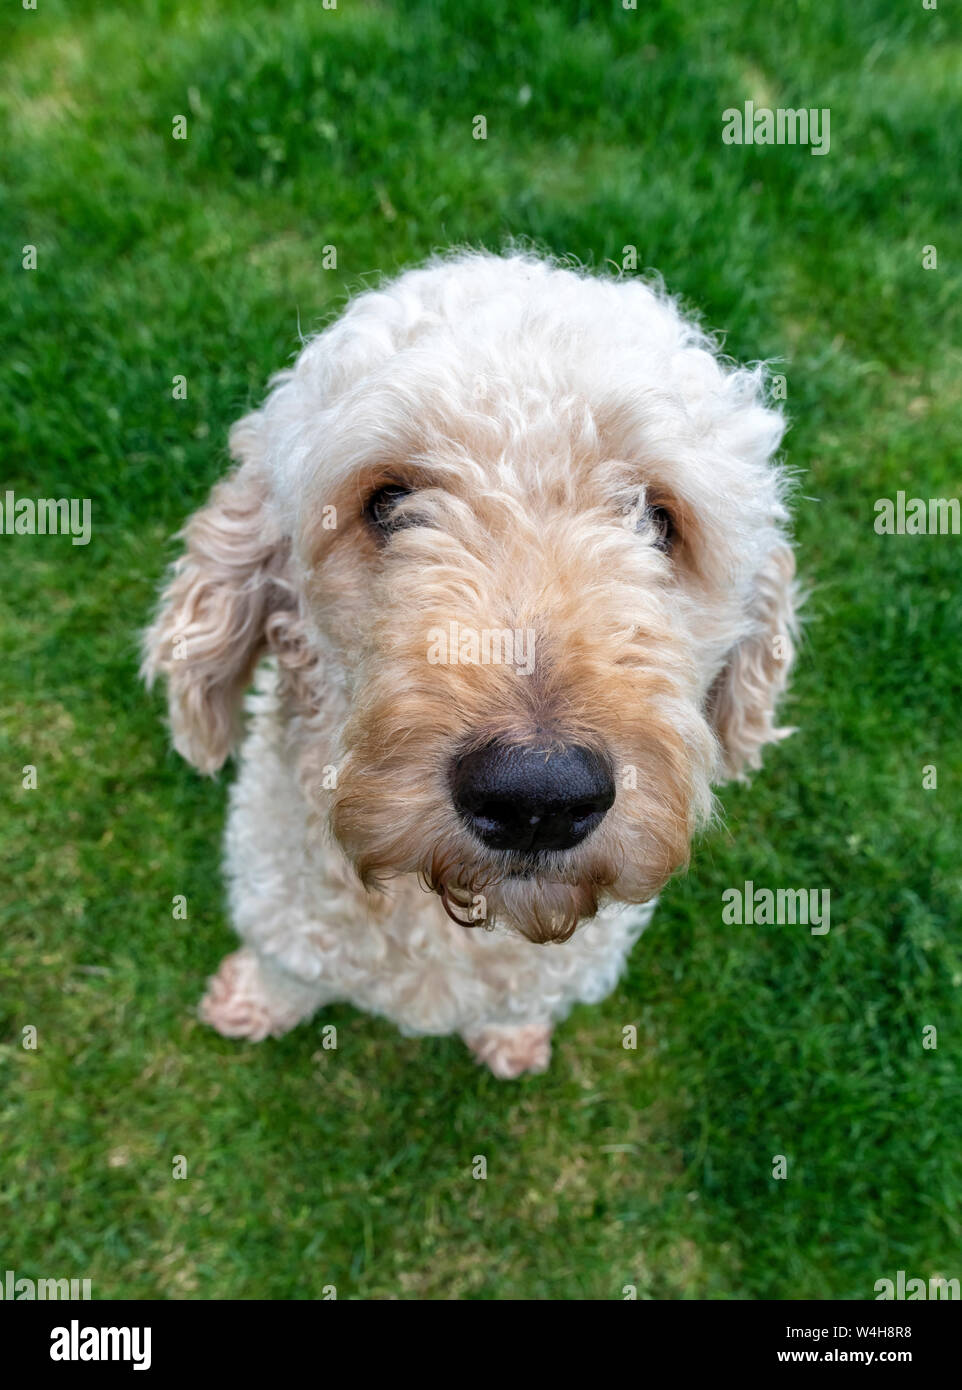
742,700
210,627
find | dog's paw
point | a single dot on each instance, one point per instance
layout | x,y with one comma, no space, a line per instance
510,1052
235,1003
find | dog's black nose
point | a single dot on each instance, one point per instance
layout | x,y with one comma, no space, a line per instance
527,800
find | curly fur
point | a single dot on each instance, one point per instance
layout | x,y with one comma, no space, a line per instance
536,414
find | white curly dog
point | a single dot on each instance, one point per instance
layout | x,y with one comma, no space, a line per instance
505,556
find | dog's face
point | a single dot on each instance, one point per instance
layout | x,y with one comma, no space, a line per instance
514,537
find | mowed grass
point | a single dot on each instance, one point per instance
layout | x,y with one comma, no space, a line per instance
353,128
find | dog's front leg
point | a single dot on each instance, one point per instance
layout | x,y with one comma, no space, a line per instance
252,997
511,1051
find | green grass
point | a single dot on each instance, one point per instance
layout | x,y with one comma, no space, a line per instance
352,128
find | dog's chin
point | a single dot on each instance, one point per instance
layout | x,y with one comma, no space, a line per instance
544,910
543,900
524,901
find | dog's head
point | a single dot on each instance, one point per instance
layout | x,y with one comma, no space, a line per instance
515,536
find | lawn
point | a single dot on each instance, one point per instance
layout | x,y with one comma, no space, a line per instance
204,257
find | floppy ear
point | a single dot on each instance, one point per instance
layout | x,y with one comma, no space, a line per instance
743,698
210,628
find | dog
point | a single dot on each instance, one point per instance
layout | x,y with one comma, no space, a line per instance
505,555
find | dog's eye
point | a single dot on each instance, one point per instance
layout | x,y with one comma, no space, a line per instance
381,507
653,521
661,520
